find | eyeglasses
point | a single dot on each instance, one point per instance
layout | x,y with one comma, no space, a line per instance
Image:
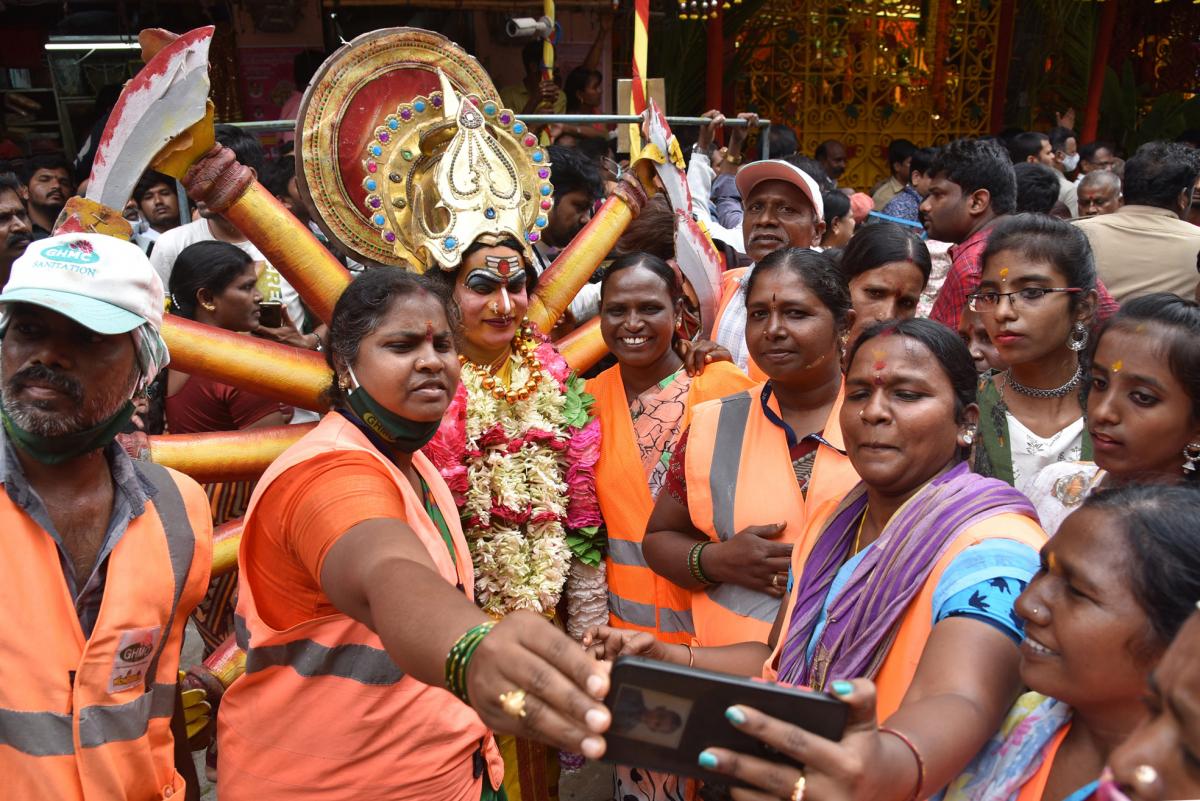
1029,297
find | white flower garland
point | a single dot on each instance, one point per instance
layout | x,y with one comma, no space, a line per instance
518,565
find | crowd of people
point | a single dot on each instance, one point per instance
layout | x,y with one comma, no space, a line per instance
935,459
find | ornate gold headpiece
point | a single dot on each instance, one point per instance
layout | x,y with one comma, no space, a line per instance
445,170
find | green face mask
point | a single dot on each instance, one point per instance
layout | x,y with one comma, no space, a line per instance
407,435
56,450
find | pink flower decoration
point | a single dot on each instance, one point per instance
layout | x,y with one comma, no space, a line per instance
554,363
446,448
583,508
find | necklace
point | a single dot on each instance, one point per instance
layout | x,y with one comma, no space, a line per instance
1035,392
524,346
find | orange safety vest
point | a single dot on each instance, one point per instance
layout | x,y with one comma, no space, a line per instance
731,285
739,473
916,624
322,710
91,718
639,598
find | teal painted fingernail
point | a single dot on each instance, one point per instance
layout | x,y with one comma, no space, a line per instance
706,760
735,716
842,688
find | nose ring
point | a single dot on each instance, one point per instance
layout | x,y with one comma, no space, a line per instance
1145,774
494,307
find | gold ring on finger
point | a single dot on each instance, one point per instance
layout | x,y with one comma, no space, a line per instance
513,703
798,790
775,581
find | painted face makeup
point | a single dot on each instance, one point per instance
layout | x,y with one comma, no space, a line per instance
487,281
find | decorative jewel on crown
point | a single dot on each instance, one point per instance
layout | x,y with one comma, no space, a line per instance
445,170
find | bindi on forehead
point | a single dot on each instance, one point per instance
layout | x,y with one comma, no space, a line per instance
879,366
1004,275
1117,365
429,330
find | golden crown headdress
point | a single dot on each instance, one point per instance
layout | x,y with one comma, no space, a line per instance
446,169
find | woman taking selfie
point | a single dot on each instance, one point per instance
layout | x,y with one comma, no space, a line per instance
1111,593
726,523
1037,298
1143,407
370,671
909,580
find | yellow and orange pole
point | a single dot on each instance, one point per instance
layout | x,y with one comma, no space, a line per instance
583,347
280,372
548,42
225,455
641,45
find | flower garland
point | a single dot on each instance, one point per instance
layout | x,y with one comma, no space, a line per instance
523,476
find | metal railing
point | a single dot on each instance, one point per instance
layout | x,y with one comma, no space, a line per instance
274,126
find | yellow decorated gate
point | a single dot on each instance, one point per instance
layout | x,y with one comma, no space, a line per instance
868,71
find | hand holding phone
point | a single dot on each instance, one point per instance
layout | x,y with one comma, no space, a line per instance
665,715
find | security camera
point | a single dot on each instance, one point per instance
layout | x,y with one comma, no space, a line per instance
527,28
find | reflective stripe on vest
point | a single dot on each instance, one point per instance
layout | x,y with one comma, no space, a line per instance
722,484
49,733
360,663
723,478
181,543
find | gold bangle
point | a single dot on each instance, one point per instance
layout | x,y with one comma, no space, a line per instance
691,654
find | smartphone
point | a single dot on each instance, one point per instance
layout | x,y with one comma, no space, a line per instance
271,316
664,715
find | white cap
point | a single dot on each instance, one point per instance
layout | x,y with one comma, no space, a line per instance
103,283
753,174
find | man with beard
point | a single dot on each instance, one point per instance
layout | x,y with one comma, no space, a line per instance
157,200
783,209
104,557
48,184
15,231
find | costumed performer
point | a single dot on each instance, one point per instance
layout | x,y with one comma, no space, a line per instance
356,582
885,584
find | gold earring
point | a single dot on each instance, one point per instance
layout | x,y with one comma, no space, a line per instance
209,306
343,383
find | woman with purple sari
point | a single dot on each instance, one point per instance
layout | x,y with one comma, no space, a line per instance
908,581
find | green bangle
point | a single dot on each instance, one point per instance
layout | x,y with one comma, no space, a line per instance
694,562
459,659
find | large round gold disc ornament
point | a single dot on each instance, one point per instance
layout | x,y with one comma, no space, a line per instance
340,119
